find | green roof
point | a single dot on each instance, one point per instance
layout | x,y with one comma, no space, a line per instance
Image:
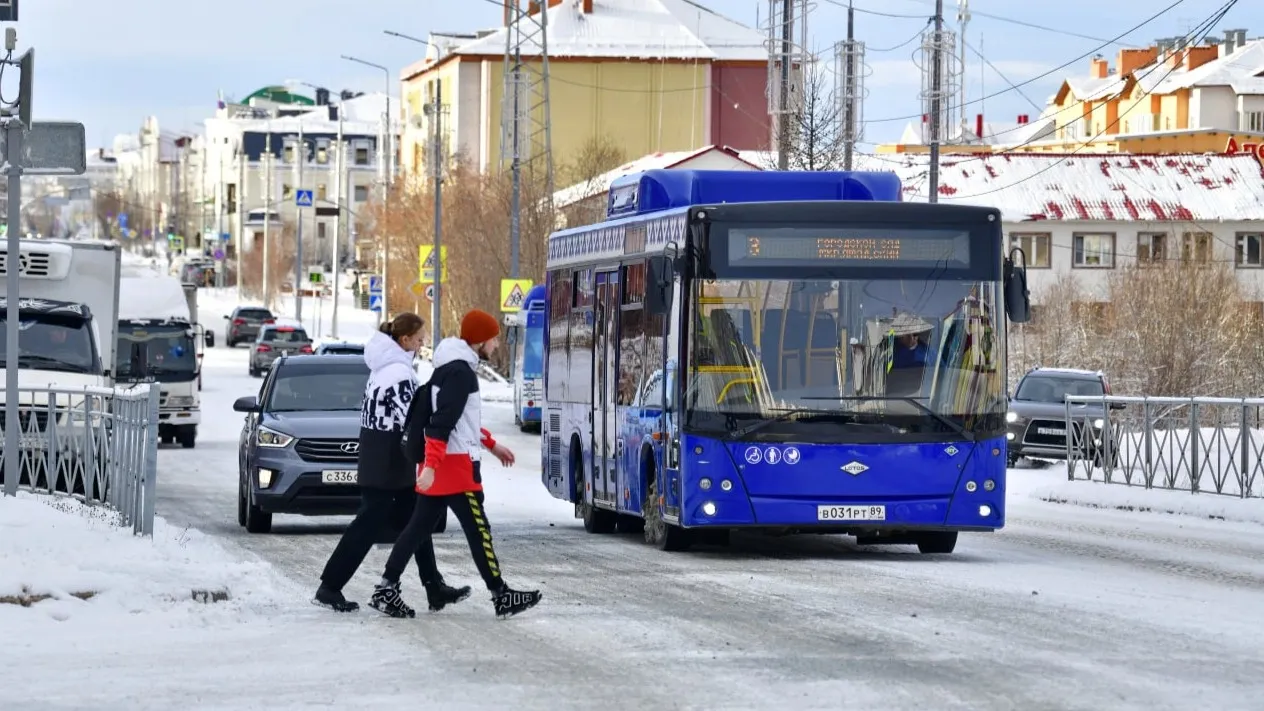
281,95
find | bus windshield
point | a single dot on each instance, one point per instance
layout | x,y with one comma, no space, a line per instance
170,353
851,360
533,350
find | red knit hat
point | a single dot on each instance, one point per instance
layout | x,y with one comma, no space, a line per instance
479,327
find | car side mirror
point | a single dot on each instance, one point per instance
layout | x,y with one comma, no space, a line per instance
1016,294
226,317
250,403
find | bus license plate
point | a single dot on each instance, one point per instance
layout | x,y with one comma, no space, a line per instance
339,477
851,513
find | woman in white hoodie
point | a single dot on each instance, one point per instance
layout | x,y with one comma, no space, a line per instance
385,476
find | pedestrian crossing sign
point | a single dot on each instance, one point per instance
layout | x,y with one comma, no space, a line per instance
426,264
513,292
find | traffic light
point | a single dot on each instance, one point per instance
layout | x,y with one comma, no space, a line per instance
171,237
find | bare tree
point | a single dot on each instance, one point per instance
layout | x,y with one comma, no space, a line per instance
816,132
106,206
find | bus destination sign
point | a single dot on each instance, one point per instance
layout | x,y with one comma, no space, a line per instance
793,246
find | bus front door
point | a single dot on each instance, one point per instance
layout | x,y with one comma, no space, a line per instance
605,426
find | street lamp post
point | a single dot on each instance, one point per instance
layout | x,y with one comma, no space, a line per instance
386,152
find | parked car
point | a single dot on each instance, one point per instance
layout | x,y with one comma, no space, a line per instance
340,348
275,340
300,444
244,324
1037,418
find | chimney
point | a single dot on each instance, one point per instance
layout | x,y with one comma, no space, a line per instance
1130,60
1022,119
978,126
1198,56
1239,38
322,97
1099,68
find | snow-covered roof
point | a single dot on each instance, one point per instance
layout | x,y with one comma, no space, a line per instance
152,298
601,183
637,29
1099,187
1246,63
363,116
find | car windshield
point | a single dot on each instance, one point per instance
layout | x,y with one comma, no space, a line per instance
285,335
885,356
1055,389
169,352
326,389
54,342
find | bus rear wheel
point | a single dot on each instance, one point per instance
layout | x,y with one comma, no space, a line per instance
658,533
937,542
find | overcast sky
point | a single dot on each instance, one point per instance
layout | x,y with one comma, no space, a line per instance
111,64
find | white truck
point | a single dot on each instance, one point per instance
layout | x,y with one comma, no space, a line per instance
69,310
156,324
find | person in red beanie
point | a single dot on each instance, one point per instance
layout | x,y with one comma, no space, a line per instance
451,478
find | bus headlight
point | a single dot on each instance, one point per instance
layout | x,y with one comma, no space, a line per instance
985,510
726,485
704,484
1011,417
989,485
708,508
971,486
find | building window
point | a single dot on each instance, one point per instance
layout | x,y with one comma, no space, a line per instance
1036,245
322,194
320,230
361,155
288,153
1253,121
1249,253
1151,247
1196,247
1093,251
287,192
322,152
361,193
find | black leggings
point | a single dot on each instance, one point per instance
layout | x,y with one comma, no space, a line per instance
417,538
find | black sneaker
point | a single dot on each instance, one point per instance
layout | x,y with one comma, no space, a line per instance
441,595
510,602
334,600
386,600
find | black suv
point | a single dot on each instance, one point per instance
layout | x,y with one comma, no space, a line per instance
1037,417
300,443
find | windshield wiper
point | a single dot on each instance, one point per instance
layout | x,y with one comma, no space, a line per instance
787,414
48,363
911,401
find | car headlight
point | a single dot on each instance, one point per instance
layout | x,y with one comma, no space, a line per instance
180,401
1099,423
272,438
1011,417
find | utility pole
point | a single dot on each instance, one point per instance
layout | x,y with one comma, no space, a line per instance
383,160
339,154
963,17
436,175
783,125
267,212
300,157
936,100
849,91
13,134
239,209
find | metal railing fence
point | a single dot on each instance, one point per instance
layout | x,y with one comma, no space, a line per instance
99,445
1195,444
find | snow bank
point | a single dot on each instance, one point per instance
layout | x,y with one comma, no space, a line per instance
65,559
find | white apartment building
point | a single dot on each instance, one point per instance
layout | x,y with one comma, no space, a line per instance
255,168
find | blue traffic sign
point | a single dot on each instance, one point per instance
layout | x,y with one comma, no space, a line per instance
303,198
225,236
375,302
122,221
375,284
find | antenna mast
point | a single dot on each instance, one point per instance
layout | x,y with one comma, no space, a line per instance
526,142
940,78
850,89
788,59
963,19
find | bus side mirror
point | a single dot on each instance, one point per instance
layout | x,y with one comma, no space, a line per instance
658,285
1017,296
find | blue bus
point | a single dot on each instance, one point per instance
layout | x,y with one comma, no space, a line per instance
528,381
786,351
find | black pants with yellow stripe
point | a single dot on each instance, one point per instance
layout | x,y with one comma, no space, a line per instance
417,538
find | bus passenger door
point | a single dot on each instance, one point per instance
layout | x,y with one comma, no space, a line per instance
605,426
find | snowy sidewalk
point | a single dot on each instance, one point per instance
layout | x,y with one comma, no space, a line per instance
92,617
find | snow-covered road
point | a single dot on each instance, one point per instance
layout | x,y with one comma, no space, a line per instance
1067,608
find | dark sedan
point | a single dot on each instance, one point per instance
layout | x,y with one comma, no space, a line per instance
300,442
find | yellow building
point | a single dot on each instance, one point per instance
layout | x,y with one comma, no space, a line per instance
646,75
1166,98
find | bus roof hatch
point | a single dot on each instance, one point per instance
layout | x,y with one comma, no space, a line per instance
664,189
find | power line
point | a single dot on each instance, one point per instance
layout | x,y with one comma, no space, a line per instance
1032,25
1001,74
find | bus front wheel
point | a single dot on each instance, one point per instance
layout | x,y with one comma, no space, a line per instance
659,533
937,542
